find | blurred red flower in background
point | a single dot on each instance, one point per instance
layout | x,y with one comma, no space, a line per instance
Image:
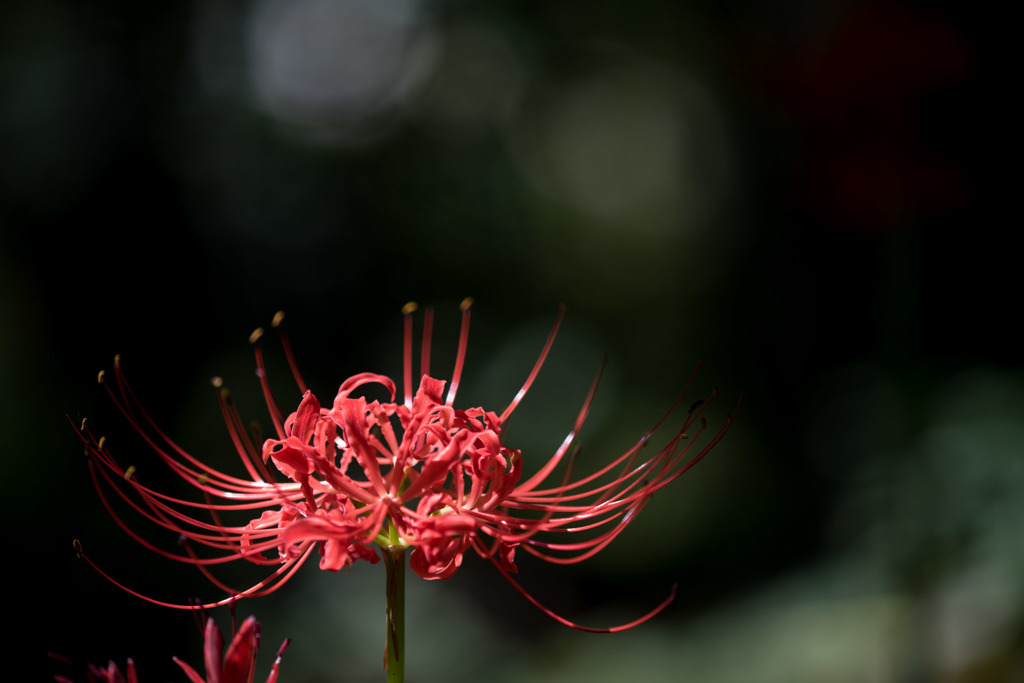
855,93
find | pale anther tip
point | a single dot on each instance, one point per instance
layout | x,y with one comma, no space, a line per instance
466,303
409,308
117,359
78,548
128,473
278,319
217,382
255,336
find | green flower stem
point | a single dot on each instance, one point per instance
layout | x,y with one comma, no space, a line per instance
394,562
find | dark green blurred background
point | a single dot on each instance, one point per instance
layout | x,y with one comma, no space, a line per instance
800,194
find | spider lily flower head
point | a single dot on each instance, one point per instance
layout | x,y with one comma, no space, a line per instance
347,478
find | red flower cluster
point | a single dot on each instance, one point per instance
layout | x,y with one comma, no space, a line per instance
418,474
110,673
237,666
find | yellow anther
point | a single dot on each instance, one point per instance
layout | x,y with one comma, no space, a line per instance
99,444
129,472
466,303
84,420
409,308
78,549
278,318
99,376
117,359
256,334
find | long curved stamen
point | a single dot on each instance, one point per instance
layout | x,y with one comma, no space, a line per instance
407,311
428,331
128,405
590,547
276,415
158,518
246,449
562,620
541,475
460,357
536,367
278,324
207,479
274,581
630,454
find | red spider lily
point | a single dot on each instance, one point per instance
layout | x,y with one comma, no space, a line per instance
420,474
237,666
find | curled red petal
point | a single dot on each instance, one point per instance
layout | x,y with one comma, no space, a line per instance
356,381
